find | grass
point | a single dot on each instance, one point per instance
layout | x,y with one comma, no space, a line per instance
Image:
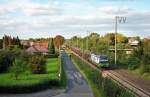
53,68
7,79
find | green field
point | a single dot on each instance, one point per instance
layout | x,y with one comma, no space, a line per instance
6,79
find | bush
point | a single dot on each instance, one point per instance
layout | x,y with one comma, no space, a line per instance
110,89
38,64
18,67
53,55
44,84
63,78
144,69
133,63
6,59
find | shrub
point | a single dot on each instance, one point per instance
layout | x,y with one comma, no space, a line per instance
53,55
63,77
112,89
38,64
133,63
144,69
44,84
18,67
109,88
6,59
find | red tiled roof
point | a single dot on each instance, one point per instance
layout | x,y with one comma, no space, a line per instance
37,48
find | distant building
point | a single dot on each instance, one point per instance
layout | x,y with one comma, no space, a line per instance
133,41
41,43
147,39
128,51
25,42
36,49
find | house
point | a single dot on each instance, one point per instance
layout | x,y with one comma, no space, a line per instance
36,49
133,41
25,42
41,43
147,39
128,51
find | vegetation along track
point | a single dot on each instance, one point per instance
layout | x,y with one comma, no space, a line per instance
116,75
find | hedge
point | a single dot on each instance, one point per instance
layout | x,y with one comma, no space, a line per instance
47,84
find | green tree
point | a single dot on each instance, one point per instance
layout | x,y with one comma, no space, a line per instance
51,47
1,43
6,58
18,67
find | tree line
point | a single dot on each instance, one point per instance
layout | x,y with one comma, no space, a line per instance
8,41
95,43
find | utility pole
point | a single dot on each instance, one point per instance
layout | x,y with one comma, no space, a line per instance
87,46
116,40
77,41
121,20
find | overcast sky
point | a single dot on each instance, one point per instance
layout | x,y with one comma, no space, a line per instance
47,18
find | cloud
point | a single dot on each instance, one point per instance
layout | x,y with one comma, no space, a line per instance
50,18
26,7
42,10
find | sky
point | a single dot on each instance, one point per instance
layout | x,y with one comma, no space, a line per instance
48,18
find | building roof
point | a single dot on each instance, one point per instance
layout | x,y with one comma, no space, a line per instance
42,44
133,41
37,48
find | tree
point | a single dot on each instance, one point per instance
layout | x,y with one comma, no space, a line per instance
51,47
58,41
93,41
111,38
146,51
1,43
6,59
121,38
8,40
38,64
18,67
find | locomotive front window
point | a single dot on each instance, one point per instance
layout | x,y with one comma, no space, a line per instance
103,58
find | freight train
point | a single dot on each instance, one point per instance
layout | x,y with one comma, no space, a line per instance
99,60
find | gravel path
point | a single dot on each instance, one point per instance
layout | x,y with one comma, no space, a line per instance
77,86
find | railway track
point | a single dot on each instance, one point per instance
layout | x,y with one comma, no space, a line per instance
138,92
